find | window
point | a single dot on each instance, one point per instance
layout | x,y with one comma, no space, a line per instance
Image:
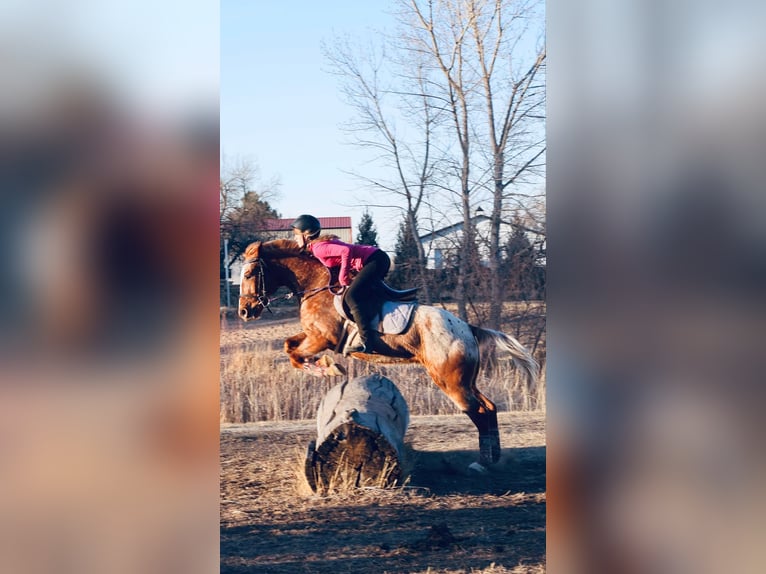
438,258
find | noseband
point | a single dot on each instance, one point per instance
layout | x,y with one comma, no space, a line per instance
260,295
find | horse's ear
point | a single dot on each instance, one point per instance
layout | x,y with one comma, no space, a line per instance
253,250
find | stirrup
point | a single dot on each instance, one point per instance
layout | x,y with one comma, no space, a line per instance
358,348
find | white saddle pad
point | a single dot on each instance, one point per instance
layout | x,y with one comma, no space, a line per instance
394,317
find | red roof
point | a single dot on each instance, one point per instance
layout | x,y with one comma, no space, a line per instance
335,222
326,222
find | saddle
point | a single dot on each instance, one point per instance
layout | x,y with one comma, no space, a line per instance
393,313
388,293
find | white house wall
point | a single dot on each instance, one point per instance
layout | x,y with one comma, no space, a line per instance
442,244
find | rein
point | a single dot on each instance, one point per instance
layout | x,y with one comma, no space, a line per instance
260,287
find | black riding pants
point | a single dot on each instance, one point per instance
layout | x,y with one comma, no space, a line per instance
360,291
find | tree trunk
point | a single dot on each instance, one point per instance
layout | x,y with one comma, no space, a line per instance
425,290
360,436
495,259
467,242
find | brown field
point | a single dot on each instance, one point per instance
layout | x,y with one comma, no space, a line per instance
444,518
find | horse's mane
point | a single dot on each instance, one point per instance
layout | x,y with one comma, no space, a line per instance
275,248
281,248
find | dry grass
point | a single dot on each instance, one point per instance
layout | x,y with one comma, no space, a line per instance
491,569
258,383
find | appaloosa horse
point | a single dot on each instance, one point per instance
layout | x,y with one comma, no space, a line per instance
449,348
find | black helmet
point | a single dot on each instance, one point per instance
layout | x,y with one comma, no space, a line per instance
307,224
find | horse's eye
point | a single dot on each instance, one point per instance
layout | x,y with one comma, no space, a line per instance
247,272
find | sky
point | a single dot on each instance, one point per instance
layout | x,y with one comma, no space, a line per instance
282,109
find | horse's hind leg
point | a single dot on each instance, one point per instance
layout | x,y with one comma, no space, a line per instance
489,433
458,384
483,414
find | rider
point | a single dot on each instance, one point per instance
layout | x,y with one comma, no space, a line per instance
370,264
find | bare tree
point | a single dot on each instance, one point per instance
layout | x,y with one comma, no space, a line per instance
407,152
467,71
244,203
514,104
495,98
434,32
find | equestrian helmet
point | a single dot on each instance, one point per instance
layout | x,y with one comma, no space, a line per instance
307,224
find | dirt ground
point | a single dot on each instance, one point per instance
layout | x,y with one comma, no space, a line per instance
446,519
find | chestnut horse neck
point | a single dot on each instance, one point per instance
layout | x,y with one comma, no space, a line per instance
295,268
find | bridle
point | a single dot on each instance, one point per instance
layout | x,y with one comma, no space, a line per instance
261,296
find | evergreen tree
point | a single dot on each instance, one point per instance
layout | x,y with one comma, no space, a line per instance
476,272
519,269
366,233
405,271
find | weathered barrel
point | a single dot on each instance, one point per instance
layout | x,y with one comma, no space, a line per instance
360,435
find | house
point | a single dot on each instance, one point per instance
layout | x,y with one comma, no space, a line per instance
281,229
442,244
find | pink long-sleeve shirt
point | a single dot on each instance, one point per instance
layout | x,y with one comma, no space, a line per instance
336,253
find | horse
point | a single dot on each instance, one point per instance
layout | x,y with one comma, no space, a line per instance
450,349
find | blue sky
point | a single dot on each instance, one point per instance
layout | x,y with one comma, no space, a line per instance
281,108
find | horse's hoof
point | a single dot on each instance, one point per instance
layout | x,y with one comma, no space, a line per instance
478,468
329,367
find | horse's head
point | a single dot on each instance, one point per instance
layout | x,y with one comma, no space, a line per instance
253,293
269,266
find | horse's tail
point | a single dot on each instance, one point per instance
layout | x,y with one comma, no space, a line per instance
489,340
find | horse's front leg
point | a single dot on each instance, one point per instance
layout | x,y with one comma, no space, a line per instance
303,346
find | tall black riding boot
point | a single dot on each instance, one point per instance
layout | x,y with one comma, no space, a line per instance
366,336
